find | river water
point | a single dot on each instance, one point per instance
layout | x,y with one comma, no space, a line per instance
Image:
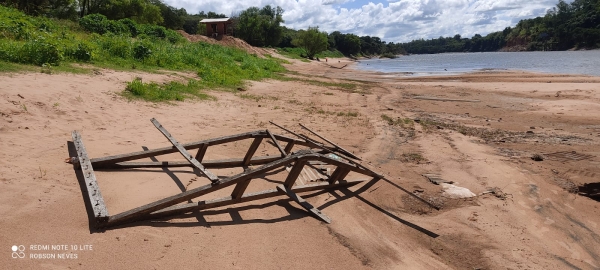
566,62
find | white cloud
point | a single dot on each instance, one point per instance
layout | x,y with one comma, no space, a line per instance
391,20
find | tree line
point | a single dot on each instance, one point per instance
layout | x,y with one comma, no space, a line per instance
566,26
257,26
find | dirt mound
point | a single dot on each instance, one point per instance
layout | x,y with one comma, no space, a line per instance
227,41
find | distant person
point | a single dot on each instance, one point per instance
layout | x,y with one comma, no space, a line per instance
325,59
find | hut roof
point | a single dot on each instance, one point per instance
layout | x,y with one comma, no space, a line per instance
215,20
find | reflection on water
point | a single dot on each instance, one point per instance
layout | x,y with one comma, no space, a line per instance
570,62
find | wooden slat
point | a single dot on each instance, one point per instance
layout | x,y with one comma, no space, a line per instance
184,152
209,164
253,147
239,189
339,174
332,143
294,173
288,147
142,211
226,201
201,152
93,190
99,162
311,209
283,153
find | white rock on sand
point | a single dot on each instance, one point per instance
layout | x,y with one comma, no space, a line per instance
456,192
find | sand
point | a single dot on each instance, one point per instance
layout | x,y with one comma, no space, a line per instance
534,219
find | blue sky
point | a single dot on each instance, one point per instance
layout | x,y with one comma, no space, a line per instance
391,20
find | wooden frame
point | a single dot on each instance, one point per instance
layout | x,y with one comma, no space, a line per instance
172,205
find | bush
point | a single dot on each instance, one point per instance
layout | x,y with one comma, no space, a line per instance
156,31
119,28
82,52
40,51
131,25
95,23
141,50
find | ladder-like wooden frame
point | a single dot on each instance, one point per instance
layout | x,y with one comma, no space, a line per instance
169,206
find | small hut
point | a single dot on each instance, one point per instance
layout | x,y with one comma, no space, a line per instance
218,27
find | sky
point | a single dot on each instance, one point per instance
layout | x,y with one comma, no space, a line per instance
391,20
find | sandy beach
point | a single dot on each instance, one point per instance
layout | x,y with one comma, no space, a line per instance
477,130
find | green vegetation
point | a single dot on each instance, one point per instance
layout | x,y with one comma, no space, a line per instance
567,26
311,41
260,27
124,44
347,114
341,44
164,92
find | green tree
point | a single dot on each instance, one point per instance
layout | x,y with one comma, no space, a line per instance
311,40
260,27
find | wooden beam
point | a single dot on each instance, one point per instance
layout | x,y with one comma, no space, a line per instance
239,189
184,152
339,174
332,143
209,164
311,209
201,152
248,197
253,147
294,173
94,196
288,147
283,153
288,140
100,162
144,210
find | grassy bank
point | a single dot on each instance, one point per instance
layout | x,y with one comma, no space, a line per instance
124,45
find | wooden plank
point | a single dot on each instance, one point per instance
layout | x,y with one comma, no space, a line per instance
288,140
184,152
294,173
239,189
93,190
201,152
339,174
332,143
100,162
313,174
307,141
209,164
248,197
253,147
311,209
288,147
142,211
283,153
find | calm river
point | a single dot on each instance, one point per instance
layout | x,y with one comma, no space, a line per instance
570,62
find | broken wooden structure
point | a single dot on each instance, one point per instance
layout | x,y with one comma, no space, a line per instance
343,161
